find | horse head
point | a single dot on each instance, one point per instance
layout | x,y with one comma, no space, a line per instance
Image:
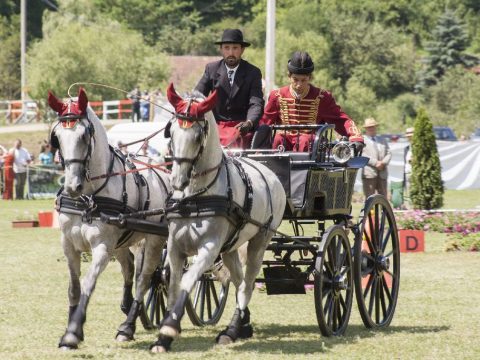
189,132
73,136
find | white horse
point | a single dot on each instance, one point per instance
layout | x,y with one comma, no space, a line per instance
218,204
97,181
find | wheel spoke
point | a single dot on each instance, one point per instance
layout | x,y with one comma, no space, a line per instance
338,250
202,301
214,294
209,300
370,238
327,309
331,256
377,303
339,314
369,284
387,290
372,295
383,302
385,239
196,294
334,315
376,241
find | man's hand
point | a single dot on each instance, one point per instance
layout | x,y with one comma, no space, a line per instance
244,127
358,147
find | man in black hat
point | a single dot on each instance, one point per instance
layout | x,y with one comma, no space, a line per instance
239,86
302,103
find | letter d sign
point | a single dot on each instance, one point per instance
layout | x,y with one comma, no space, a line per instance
411,240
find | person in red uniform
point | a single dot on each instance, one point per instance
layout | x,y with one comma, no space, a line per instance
302,103
239,90
9,175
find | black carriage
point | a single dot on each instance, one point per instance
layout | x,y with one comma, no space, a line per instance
328,249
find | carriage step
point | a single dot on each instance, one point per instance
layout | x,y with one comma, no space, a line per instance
283,239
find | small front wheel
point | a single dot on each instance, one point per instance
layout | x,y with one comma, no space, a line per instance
333,286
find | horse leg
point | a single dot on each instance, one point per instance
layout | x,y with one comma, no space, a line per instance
152,251
171,324
126,259
73,261
240,327
74,333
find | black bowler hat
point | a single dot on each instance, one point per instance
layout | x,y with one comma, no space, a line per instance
300,63
232,36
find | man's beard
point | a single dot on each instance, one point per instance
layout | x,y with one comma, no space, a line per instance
232,61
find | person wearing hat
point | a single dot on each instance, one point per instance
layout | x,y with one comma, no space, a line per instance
302,103
375,173
407,157
239,86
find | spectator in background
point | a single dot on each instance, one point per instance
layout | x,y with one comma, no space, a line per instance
407,158
375,173
147,150
9,175
135,96
145,106
21,160
45,157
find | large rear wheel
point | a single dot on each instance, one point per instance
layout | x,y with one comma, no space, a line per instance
377,263
333,286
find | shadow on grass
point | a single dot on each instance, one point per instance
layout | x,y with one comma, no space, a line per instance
286,339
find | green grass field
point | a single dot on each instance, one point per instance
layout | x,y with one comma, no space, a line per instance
436,318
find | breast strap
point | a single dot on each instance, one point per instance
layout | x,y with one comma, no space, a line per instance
218,205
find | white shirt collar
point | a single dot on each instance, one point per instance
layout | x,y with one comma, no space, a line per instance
234,72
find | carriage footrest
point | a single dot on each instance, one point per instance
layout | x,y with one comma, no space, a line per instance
284,280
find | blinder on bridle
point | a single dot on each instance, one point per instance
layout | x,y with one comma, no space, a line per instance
70,121
186,121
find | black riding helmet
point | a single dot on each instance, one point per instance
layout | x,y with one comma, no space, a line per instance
300,63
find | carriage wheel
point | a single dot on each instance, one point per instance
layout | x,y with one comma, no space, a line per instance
333,286
377,263
155,306
207,300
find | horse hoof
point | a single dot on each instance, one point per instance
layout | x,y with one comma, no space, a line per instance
67,348
69,341
123,338
224,340
157,349
169,331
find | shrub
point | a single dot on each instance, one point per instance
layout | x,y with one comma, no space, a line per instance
427,185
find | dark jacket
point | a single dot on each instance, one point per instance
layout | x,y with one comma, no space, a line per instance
239,102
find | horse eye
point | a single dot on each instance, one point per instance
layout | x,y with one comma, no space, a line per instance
198,137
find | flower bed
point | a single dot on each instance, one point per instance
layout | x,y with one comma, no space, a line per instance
463,228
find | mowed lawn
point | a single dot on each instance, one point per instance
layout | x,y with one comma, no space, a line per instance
437,314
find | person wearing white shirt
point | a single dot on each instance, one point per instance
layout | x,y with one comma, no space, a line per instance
22,159
375,173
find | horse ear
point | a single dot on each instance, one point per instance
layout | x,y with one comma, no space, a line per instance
173,97
82,100
55,103
207,104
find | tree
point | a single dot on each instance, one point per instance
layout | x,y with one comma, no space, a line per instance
427,186
98,53
10,58
446,50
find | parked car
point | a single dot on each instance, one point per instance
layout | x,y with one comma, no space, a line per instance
475,135
444,133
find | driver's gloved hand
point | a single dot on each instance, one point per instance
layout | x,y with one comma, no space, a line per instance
357,148
244,127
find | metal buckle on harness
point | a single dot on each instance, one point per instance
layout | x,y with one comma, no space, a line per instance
91,207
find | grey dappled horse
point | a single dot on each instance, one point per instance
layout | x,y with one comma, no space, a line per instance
86,155
218,204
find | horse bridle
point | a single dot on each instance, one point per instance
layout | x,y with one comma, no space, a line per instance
91,132
186,119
